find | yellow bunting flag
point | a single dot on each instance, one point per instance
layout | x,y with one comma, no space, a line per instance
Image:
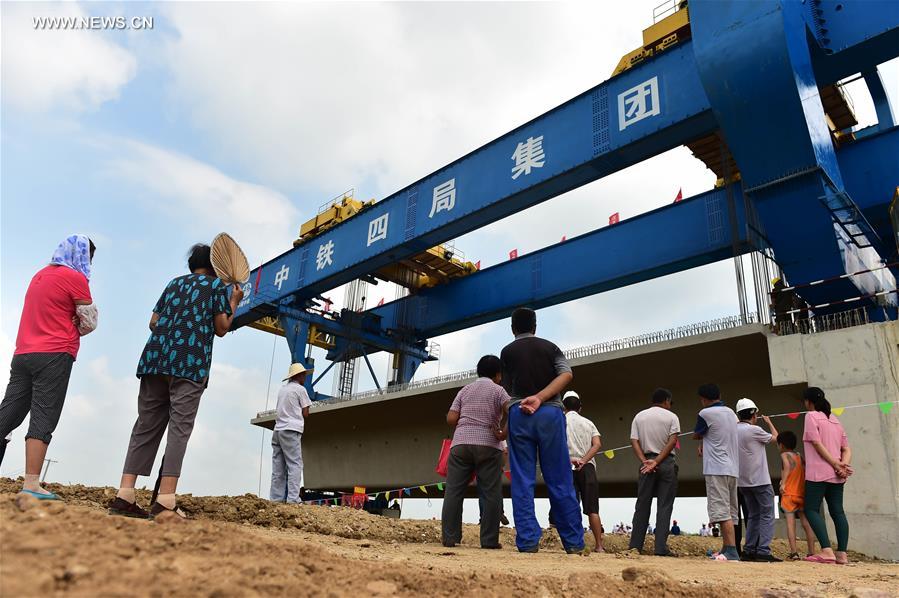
423,489
610,454
838,410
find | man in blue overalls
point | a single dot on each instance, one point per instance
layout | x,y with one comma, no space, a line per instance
535,372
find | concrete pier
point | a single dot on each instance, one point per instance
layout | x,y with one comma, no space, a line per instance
856,366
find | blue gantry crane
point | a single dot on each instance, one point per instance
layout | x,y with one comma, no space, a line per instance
752,88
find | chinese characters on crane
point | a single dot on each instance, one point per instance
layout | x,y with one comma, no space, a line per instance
638,102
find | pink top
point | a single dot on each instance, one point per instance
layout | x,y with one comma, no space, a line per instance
480,408
46,325
829,432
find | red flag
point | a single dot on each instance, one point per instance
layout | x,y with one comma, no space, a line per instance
327,306
614,218
680,195
258,276
513,254
381,302
564,238
477,266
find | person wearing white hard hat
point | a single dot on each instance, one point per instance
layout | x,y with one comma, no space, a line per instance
290,423
754,482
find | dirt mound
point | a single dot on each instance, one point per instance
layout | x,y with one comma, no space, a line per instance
353,524
80,550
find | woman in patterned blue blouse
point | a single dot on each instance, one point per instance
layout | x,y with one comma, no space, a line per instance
174,371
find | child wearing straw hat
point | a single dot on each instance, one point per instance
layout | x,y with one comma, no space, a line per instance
290,422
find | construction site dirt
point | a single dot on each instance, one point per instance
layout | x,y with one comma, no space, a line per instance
247,546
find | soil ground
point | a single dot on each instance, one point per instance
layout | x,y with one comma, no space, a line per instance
245,546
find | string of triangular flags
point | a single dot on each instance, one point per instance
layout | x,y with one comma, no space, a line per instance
884,406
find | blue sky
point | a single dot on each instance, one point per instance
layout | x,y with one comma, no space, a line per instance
246,118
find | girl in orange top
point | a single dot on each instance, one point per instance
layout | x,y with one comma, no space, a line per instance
792,492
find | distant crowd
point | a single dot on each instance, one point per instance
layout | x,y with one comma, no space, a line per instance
518,407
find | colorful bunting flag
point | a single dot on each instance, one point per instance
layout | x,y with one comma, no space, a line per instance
423,489
327,306
564,238
477,265
614,218
793,415
680,195
440,486
381,302
513,254
407,491
677,444
885,406
610,454
838,410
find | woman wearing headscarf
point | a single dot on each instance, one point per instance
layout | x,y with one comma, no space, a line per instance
827,467
58,311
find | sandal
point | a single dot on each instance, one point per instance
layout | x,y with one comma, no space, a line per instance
794,556
40,495
122,507
156,509
820,559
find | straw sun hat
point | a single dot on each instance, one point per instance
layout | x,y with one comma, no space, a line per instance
295,369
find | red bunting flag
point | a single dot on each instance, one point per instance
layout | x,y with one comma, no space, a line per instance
564,238
793,415
381,302
258,276
614,218
477,266
327,306
680,195
513,254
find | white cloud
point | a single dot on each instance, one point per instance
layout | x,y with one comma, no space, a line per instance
46,69
377,95
262,220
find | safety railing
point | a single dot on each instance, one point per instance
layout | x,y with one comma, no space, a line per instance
822,323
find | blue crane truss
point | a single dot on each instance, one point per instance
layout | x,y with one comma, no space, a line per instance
751,73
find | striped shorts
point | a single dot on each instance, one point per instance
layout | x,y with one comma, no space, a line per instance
37,385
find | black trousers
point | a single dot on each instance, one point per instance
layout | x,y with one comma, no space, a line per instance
37,385
660,484
487,462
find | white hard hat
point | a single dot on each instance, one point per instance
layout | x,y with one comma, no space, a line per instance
744,404
571,393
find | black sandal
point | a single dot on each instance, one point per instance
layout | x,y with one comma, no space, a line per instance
123,508
156,509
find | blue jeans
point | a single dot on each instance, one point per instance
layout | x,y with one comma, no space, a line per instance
542,433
